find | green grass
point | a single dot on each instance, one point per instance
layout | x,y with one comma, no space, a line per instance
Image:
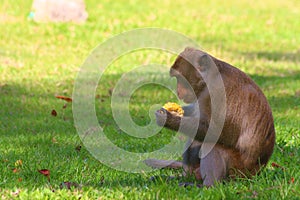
39,61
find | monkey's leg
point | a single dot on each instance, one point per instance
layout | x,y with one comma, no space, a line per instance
173,164
221,163
191,159
213,167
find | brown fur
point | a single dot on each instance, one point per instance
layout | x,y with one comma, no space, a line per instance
248,136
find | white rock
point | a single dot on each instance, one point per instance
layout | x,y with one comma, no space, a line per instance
59,11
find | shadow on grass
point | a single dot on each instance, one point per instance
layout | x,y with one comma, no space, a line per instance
283,94
274,56
28,129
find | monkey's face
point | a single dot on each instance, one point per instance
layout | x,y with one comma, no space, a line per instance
185,91
187,80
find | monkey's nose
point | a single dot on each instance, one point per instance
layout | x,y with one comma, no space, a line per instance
179,96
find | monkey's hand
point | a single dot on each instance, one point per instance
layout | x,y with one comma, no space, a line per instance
161,116
167,119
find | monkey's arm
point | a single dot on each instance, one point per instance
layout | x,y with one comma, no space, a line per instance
193,127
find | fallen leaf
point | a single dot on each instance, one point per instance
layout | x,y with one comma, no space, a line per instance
19,179
292,180
54,140
54,113
68,99
15,170
18,163
275,165
45,172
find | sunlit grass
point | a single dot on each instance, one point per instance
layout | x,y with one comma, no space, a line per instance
39,61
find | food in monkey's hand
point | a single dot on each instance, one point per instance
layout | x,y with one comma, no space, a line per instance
174,108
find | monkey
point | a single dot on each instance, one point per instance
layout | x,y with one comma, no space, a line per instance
247,138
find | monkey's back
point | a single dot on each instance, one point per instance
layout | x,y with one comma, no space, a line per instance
248,116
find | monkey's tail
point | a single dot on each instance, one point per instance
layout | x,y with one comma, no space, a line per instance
173,164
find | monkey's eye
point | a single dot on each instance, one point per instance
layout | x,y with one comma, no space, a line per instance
181,79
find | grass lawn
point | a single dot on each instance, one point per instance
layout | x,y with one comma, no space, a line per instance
39,61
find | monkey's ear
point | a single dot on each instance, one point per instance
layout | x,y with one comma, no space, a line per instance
189,49
205,62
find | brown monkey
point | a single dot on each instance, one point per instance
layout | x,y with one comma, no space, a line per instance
247,139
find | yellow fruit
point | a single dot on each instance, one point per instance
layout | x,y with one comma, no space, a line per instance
18,163
174,108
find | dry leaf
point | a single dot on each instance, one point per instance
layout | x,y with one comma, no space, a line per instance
68,99
18,163
19,179
275,165
292,180
54,141
45,172
15,170
54,113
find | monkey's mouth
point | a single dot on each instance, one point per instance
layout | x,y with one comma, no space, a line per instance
189,99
